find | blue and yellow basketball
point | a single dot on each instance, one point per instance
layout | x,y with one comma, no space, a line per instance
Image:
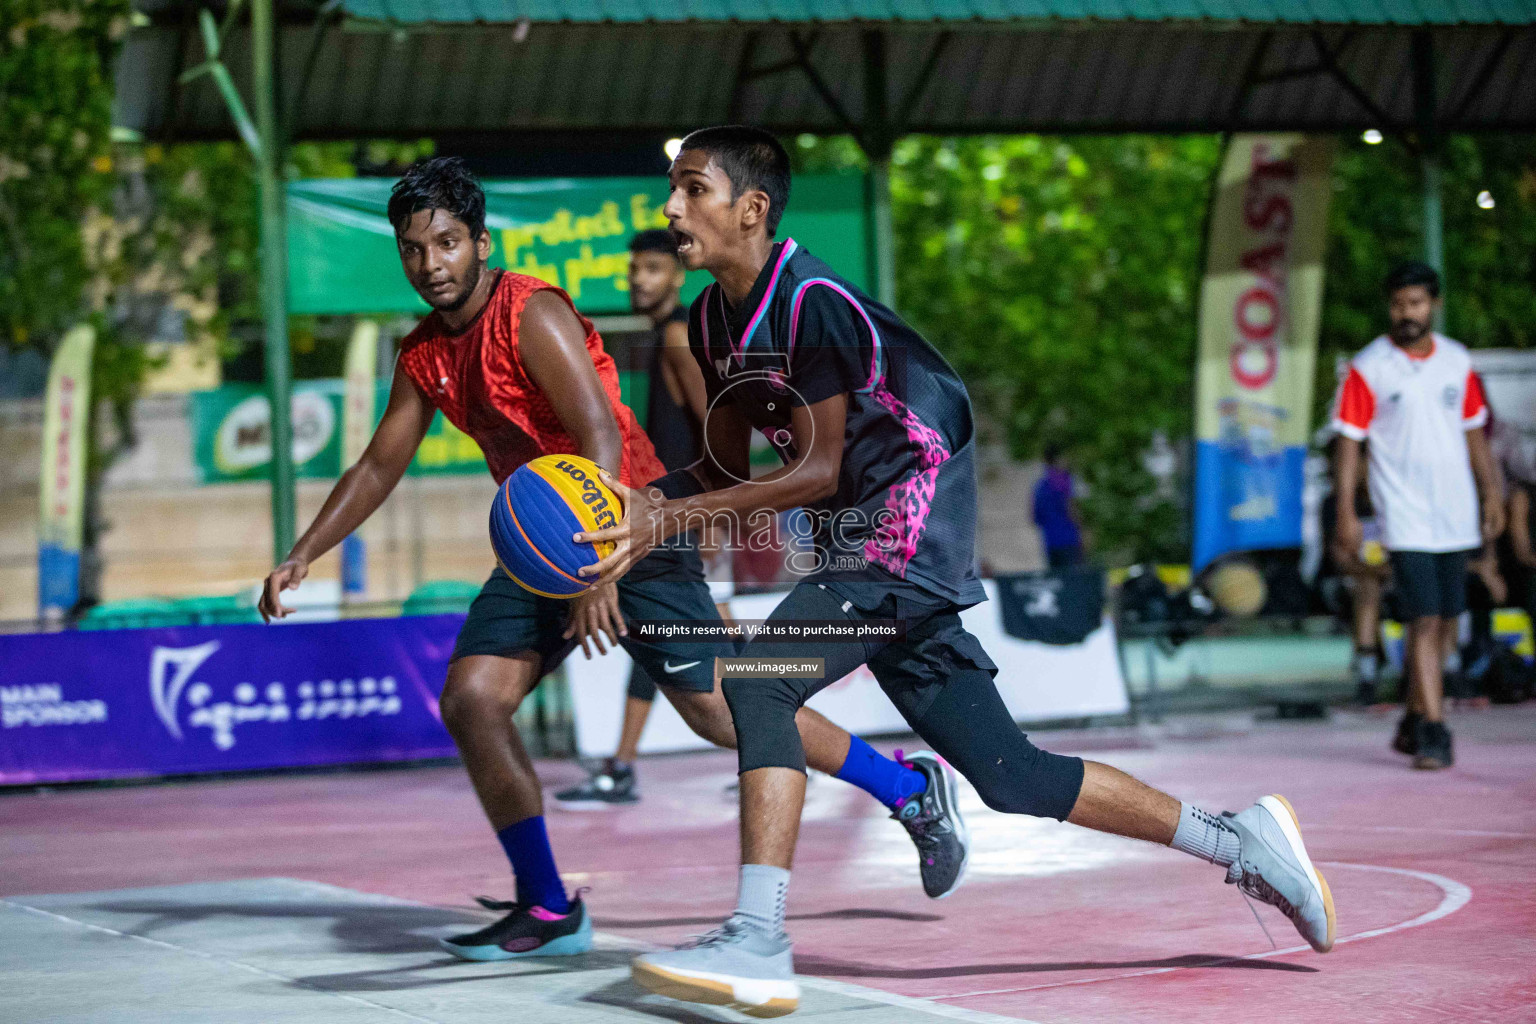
538,509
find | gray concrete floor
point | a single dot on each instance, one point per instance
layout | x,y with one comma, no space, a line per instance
278,950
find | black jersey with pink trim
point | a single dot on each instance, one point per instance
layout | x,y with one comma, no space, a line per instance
906,494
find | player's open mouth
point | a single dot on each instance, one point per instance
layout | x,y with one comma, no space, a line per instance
684,240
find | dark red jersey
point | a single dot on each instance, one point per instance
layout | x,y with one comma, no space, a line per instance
477,378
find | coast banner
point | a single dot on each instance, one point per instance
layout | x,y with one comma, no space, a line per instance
1259,306
571,232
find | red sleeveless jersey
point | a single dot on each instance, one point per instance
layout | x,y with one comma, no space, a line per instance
478,380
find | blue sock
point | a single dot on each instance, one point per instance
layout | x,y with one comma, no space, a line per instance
533,864
880,777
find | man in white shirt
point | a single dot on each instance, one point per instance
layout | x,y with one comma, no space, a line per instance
1412,395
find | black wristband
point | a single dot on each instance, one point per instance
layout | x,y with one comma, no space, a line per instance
678,484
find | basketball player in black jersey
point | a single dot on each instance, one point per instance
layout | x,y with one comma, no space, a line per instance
877,439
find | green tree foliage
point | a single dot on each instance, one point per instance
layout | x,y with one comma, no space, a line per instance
1376,220
55,130
1060,276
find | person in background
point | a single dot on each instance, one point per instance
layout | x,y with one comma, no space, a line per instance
1411,393
1515,453
1487,591
1055,512
1367,573
1518,553
673,419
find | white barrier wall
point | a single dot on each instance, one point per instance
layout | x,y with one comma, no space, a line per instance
1037,682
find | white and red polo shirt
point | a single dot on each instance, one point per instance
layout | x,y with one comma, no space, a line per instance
1415,414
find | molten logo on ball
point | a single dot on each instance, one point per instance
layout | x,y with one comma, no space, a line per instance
537,511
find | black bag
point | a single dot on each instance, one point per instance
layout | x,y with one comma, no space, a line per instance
1509,680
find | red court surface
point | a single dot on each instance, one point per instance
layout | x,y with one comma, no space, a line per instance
1434,874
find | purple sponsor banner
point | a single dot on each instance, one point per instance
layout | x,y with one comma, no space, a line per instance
135,702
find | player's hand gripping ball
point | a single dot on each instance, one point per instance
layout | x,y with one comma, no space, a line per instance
537,511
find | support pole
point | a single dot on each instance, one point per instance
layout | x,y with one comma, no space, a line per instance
1434,219
274,274
882,243
1426,116
878,140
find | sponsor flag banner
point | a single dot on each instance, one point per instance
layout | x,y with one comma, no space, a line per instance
61,505
362,388
144,702
362,372
1259,307
571,232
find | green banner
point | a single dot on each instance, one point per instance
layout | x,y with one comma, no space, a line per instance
231,434
232,431
573,232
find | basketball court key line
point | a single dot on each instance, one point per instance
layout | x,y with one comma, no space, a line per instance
1454,896
239,964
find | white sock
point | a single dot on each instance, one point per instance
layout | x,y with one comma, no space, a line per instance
1204,835
762,897
1367,666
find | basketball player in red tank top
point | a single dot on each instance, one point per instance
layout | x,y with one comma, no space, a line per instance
511,363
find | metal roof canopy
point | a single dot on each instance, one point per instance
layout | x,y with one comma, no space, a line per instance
503,70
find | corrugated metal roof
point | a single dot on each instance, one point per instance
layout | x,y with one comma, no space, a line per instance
1288,12
479,81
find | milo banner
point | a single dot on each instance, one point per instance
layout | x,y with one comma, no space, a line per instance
232,431
231,437
61,515
1259,307
141,702
572,232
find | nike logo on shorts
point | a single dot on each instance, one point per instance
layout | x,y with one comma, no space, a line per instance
671,669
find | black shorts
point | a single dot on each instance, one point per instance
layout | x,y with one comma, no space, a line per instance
667,585
1429,583
912,670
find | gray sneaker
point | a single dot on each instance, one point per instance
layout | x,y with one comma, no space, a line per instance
736,965
1273,867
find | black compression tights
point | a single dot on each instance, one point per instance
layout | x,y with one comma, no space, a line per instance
967,724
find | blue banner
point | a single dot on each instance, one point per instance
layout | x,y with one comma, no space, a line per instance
144,702
1246,499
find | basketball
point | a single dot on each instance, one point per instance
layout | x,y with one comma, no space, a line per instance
537,510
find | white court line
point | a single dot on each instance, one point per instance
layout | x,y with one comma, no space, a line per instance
845,988
240,964
1455,896
873,995
1422,830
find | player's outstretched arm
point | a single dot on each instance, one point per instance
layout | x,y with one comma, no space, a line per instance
553,347
817,432
359,492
